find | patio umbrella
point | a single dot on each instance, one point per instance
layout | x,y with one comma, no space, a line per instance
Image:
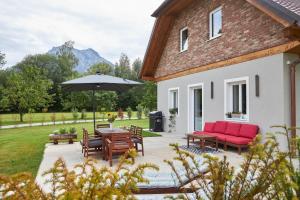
99,82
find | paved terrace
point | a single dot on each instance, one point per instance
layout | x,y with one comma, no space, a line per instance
156,150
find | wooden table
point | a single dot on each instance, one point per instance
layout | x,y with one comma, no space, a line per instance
203,139
107,132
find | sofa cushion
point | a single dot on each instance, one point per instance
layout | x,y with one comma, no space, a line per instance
220,127
220,136
209,127
238,140
233,129
248,131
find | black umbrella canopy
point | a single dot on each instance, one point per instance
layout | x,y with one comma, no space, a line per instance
99,82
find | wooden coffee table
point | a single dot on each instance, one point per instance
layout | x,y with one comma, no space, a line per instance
204,140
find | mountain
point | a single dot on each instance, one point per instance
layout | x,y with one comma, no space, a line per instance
86,58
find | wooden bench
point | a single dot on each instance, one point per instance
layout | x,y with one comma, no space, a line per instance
56,137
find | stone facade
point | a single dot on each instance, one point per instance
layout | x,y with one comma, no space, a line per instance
245,30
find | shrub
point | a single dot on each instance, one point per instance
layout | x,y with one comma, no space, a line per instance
146,112
75,114
86,181
72,130
83,114
62,131
56,132
30,116
129,112
139,112
120,113
53,118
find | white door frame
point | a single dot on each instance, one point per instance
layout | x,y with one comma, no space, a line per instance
191,104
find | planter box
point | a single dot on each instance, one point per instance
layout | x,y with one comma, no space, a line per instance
56,137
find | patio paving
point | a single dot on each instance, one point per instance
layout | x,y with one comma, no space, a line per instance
156,150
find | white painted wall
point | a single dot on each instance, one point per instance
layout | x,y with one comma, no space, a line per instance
270,108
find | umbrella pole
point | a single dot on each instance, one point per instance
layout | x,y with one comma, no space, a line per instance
94,110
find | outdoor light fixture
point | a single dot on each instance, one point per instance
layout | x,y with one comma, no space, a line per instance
257,85
211,90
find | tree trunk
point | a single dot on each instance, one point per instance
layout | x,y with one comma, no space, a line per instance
21,117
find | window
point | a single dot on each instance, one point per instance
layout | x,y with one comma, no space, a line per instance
215,23
174,98
184,39
237,99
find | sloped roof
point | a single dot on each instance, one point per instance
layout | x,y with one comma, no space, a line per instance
286,12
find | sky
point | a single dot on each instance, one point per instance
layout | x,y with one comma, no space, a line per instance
108,26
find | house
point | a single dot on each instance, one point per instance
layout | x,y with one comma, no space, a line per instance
234,60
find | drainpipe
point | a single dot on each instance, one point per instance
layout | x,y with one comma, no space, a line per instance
293,101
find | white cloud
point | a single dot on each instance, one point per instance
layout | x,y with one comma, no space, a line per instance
108,26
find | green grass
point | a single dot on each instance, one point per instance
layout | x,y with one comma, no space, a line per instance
12,119
21,149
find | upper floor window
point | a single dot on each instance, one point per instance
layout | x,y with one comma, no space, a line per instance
215,23
184,39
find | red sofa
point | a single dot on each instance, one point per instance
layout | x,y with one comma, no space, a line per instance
231,134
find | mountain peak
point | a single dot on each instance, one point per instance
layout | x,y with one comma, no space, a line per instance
86,58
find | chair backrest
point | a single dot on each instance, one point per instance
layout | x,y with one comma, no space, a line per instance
102,126
139,131
85,137
125,137
132,129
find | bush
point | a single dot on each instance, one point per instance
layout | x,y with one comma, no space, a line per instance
63,118
146,112
83,114
129,112
139,112
120,113
62,131
53,118
72,130
86,181
75,114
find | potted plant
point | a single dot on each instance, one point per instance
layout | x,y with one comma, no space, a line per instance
236,115
72,130
56,132
229,115
111,118
62,131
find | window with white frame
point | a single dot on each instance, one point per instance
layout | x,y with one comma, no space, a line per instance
184,39
215,23
174,98
237,99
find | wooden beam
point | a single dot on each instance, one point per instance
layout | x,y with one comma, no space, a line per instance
292,32
252,56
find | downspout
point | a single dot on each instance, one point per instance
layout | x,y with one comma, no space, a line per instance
293,102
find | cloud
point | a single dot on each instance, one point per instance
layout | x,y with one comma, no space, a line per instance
109,27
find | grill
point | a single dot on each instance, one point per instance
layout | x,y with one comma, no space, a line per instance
156,121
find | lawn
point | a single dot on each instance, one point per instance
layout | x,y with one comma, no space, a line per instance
11,119
21,149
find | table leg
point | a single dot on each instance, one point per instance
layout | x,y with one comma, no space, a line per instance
188,141
55,141
70,141
202,141
217,145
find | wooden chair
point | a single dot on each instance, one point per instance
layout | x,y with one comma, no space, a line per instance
137,139
118,143
91,143
91,137
102,126
132,129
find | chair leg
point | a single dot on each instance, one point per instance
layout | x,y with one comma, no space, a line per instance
110,156
239,150
136,146
142,149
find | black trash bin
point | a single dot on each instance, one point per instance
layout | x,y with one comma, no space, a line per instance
156,121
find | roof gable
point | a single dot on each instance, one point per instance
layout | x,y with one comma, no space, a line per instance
283,11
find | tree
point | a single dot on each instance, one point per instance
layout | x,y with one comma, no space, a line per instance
102,68
150,95
122,69
26,89
107,100
136,68
2,59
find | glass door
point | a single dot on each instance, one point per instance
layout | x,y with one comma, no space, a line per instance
198,109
